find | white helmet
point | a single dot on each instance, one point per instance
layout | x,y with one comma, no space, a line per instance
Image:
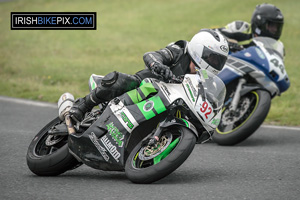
208,50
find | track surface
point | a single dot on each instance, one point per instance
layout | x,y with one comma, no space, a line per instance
266,166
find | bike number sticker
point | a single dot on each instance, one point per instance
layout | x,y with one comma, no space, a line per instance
278,64
205,110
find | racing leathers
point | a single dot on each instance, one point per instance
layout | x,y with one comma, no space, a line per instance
165,63
239,35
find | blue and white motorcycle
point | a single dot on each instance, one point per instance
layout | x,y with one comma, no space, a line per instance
253,77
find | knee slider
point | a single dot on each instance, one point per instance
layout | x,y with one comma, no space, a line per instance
109,79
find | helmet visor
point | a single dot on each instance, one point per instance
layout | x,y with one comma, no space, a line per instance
214,59
274,29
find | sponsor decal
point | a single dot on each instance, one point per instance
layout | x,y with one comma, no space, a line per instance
204,73
166,92
124,116
93,83
224,48
192,96
148,106
115,134
166,89
214,71
101,150
247,54
216,122
191,86
152,107
197,58
112,149
260,53
126,120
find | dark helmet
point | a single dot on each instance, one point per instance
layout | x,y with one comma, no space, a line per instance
267,20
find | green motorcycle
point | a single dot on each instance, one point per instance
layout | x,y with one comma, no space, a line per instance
147,132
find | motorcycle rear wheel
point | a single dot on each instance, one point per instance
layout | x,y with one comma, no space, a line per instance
253,108
49,155
179,144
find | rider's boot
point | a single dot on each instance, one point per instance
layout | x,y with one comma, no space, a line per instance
83,105
112,85
99,95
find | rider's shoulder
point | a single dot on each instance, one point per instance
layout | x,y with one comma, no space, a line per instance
238,26
179,45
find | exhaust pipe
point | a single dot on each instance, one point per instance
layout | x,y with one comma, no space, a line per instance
64,104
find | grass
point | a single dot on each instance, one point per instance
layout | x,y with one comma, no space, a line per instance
42,64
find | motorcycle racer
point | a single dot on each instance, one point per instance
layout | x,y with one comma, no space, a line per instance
206,50
267,20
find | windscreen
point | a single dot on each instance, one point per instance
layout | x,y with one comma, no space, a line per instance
271,45
214,89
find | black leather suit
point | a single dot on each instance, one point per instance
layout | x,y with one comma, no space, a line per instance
116,83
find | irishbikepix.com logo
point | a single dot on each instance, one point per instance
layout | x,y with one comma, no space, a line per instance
53,21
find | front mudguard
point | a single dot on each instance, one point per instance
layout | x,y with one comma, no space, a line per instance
174,121
248,88
264,82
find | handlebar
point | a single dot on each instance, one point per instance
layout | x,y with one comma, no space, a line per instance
177,79
174,79
233,46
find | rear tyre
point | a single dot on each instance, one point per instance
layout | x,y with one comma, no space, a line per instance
146,165
235,127
49,155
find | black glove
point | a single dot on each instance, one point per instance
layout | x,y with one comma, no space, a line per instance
163,70
233,47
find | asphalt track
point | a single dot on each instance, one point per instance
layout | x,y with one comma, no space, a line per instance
266,166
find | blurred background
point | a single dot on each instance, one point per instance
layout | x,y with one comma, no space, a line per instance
43,64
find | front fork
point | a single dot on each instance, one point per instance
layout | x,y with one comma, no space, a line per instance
237,95
154,138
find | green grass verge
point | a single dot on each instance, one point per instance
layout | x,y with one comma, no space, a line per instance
42,64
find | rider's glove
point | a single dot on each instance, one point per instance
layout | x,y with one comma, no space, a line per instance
163,70
233,47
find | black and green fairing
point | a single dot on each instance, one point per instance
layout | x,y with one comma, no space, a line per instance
103,145
145,102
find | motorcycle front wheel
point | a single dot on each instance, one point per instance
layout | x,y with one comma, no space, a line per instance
236,126
49,155
148,164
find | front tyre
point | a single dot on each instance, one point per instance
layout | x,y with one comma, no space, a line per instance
146,165
237,126
49,155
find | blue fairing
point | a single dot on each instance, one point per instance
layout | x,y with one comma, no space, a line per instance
283,85
257,58
227,75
